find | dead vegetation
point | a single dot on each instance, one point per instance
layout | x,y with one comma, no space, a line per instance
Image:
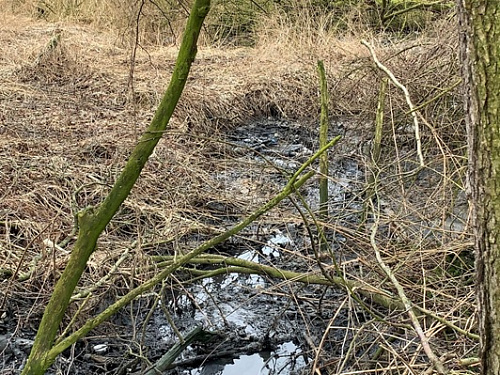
68,117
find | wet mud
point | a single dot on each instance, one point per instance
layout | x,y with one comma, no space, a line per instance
261,326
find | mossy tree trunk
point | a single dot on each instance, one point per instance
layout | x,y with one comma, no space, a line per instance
92,221
480,35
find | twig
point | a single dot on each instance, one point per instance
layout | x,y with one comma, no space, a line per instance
75,315
104,279
130,84
447,323
167,313
20,263
325,335
407,97
436,363
236,265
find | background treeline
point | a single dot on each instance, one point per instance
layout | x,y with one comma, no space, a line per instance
240,22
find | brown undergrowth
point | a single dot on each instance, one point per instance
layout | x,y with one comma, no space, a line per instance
69,116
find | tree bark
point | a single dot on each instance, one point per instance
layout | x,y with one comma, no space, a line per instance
480,35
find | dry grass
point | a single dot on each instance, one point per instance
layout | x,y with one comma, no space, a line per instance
161,25
68,120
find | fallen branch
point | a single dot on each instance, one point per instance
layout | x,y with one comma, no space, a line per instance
236,265
195,335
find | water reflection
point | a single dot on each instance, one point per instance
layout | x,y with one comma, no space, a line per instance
285,359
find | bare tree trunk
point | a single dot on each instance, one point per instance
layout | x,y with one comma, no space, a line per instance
480,35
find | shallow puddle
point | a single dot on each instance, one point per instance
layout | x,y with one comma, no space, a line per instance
284,360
